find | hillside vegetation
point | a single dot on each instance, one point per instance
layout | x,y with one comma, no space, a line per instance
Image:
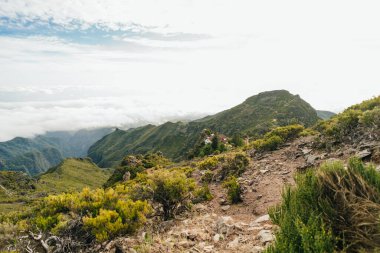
73,174
325,114
255,116
332,209
215,202
18,190
36,155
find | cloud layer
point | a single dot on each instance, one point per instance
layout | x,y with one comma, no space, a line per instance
85,63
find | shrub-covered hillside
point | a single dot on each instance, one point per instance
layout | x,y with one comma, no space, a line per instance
19,191
254,117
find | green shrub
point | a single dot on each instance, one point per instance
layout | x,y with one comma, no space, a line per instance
308,132
333,209
367,104
277,136
171,189
136,164
268,144
285,132
234,166
371,118
104,213
202,194
207,176
233,190
341,126
209,163
187,170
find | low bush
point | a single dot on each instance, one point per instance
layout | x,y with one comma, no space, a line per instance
202,194
344,125
171,190
234,166
371,118
285,132
267,144
333,209
136,164
103,213
209,163
233,190
273,139
207,177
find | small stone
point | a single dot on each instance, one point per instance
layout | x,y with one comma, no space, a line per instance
209,248
126,176
310,159
222,201
364,154
263,171
259,197
262,219
186,244
225,208
306,151
265,236
257,249
216,238
234,243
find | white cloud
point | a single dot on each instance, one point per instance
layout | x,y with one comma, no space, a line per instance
183,57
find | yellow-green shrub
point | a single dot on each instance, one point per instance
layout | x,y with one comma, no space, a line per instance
371,118
202,194
207,176
267,144
209,163
235,165
277,136
171,189
105,213
285,132
233,190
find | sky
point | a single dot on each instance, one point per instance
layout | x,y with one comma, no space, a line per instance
73,64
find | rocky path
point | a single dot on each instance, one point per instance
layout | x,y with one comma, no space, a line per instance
216,226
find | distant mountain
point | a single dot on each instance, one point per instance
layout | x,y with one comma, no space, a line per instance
36,155
72,174
325,114
253,117
77,143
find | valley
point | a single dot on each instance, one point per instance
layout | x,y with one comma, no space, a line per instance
247,170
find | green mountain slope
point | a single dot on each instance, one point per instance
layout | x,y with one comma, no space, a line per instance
72,174
19,190
253,117
325,114
36,155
